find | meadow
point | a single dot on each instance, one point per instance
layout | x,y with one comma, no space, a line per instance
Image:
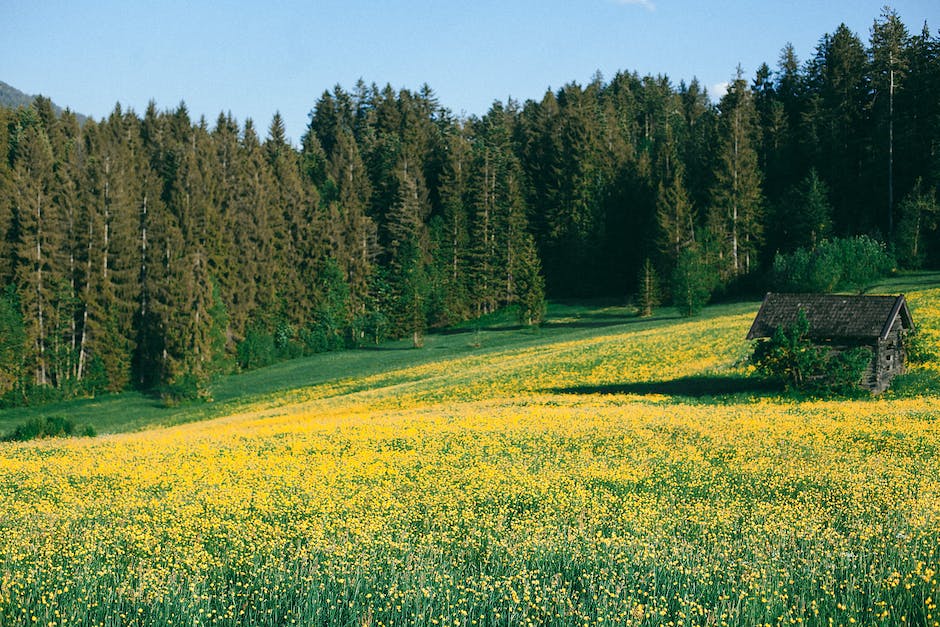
603,470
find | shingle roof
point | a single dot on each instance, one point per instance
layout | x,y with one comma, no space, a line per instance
832,316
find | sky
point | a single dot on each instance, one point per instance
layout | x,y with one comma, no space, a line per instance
253,58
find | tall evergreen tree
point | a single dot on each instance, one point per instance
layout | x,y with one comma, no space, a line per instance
676,216
38,239
408,252
735,216
889,54
837,109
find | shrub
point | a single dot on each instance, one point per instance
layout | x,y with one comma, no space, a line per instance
256,350
187,386
48,427
790,356
849,264
920,347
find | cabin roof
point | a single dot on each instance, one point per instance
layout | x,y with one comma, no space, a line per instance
832,316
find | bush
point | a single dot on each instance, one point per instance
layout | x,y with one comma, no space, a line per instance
791,358
48,427
847,264
371,328
187,386
920,347
256,350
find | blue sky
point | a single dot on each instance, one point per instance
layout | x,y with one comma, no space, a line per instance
255,58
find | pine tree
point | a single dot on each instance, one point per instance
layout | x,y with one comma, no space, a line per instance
693,281
13,342
37,242
736,212
530,284
352,234
676,216
407,251
647,296
889,43
296,247
451,235
7,191
919,214
837,100
803,216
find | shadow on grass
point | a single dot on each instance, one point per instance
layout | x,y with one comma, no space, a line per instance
702,386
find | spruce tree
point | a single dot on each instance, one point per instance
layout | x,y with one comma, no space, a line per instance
647,294
37,241
735,216
407,251
676,216
889,55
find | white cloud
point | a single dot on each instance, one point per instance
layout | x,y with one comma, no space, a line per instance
718,90
646,4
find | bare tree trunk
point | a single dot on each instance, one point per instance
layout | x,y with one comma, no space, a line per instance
734,202
41,340
891,154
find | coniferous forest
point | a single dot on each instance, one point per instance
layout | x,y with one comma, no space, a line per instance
155,251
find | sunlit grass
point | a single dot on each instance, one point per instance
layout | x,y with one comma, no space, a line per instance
625,475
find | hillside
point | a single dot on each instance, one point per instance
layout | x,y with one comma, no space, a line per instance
604,470
12,98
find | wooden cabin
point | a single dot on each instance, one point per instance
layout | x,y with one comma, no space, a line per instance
840,322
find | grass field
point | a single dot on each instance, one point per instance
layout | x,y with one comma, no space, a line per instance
602,470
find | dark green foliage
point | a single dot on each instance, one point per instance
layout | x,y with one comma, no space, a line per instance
693,281
371,328
790,357
256,350
803,218
530,286
48,427
840,264
917,227
13,347
332,312
917,383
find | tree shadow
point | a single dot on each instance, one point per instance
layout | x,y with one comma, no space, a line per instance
696,386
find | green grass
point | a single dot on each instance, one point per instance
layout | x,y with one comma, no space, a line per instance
132,411
497,332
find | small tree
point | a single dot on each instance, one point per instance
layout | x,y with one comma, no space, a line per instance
530,286
647,295
692,282
919,213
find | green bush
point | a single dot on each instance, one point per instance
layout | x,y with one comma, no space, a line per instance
48,427
838,264
920,347
256,350
790,357
187,386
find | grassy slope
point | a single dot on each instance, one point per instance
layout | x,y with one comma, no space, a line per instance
133,411
602,469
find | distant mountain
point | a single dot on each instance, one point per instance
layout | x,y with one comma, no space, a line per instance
11,97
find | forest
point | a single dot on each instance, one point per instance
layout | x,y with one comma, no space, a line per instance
156,251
